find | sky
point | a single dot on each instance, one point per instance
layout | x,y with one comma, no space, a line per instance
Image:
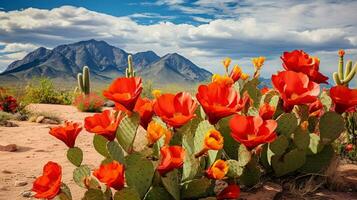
204,31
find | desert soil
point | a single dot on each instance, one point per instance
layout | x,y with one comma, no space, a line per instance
37,147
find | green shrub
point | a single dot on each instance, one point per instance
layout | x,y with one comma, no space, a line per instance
42,90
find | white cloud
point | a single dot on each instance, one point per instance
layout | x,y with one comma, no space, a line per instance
258,29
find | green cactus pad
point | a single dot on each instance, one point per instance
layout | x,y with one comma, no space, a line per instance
316,163
302,111
251,174
80,174
197,188
326,100
100,145
202,129
126,131
301,139
287,123
230,145
289,162
157,193
279,146
75,156
254,93
115,152
235,170
331,126
244,156
65,193
139,172
94,194
127,194
314,145
171,183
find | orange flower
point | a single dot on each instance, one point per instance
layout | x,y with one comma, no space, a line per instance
252,130
299,61
144,107
244,76
104,124
218,170
344,99
236,73
48,185
295,88
124,92
175,110
258,62
226,62
156,93
213,140
219,101
266,111
112,174
264,90
155,131
230,192
67,133
222,79
171,158
341,52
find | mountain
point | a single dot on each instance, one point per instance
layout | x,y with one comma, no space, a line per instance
105,62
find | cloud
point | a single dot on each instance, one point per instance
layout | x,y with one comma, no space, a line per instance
150,16
257,29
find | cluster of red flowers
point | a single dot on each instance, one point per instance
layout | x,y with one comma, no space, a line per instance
88,103
298,85
8,104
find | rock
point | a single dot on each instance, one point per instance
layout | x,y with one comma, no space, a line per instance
8,124
49,121
39,119
20,183
4,171
27,194
9,148
343,178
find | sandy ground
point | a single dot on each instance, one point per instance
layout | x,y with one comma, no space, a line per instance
37,147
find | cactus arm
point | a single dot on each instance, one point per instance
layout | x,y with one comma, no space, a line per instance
130,69
80,82
351,74
340,68
348,68
86,81
336,78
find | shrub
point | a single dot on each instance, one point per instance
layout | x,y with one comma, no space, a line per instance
89,103
42,90
7,102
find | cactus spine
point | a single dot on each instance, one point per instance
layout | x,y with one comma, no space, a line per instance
84,81
342,77
129,72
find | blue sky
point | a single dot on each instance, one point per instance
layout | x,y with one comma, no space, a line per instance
205,31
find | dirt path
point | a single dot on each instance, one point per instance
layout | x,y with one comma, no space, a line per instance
37,147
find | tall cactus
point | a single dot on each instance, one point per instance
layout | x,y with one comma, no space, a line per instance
84,81
129,72
342,77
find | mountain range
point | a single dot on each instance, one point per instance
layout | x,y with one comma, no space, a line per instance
105,61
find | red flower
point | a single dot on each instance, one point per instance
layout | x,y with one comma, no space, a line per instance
264,90
124,92
8,104
67,133
295,88
252,130
112,174
171,158
316,108
266,111
344,99
349,147
48,185
105,124
299,61
219,101
144,107
230,192
175,110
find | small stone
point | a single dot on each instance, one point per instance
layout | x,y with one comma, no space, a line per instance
49,121
26,194
20,183
39,119
6,171
9,148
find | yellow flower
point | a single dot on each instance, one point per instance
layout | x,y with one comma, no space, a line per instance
226,80
156,93
227,62
258,62
155,131
213,140
244,76
218,170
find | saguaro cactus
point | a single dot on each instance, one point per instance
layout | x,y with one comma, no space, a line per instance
130,69
342,77
84,81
